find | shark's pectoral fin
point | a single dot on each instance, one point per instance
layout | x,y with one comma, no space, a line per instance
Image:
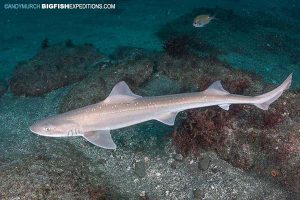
168,118
100,138
224,106
121,93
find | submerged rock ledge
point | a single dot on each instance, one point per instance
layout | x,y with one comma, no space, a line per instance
190,160
53,67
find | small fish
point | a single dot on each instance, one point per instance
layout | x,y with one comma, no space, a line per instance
202,20
123,108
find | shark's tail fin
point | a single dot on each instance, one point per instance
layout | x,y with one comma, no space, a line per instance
266,99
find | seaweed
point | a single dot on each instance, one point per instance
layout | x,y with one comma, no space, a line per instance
177,46
207,129
271,119
204,130
185,45
237,86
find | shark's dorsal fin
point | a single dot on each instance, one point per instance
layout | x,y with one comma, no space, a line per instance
100,138
216,88
121,93
168,118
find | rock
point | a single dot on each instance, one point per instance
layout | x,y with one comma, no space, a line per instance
140,168
167,193
193,168
178,157
3,88
146,159
131,53
53,67
173,165
198,194
98,193
172,162
98,85
242,156
53,176
193,73
204,163
160,85
143,196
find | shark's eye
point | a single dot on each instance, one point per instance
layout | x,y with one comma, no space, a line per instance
47,129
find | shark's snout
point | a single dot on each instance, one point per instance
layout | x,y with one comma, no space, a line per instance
39,128
34,128
51,128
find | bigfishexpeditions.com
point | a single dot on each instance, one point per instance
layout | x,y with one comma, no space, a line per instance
108,6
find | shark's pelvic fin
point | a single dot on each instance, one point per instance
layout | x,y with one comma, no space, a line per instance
224,106
121,93
100,138
168,118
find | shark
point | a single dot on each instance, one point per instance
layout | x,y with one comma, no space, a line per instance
123,108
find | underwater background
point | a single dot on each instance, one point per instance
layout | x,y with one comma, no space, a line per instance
53,61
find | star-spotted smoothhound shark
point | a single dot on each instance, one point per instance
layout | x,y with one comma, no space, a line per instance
123,108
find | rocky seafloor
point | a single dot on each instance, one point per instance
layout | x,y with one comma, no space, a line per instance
243,153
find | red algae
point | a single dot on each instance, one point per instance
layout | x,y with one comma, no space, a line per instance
202,130
271,119
265,142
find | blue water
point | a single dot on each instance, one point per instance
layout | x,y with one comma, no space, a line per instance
261,39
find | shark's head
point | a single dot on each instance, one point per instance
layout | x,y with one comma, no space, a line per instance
55,128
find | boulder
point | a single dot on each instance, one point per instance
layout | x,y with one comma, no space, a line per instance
53,67
98,85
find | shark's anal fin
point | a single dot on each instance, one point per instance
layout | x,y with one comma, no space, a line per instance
100,138
121,93
168,118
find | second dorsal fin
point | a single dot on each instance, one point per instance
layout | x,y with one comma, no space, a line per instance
121,93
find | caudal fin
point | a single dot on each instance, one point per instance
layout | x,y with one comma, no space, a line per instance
270,97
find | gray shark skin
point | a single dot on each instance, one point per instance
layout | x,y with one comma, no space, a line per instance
123,108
